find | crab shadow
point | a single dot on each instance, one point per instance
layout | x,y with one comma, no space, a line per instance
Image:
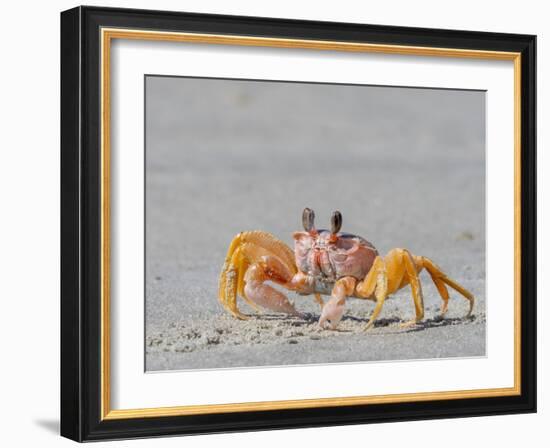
294,321
434,322
310,319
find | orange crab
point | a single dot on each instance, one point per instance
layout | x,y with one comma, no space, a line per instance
324,262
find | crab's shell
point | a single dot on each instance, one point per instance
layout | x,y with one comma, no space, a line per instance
327,259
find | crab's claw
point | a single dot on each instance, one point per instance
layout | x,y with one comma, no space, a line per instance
333,310
332,313
257,253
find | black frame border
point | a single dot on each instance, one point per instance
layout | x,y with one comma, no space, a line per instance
81,224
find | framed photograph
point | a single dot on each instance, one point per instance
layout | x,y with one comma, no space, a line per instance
272,223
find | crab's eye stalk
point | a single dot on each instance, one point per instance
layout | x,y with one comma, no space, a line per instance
335,222
308,220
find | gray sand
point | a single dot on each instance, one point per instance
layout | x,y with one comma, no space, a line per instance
406,167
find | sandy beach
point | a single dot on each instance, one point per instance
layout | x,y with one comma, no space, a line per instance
406,167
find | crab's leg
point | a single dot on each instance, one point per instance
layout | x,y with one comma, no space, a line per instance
334,309
440,279
375,283
439,284
398,271
230,285
244,264
319,300
416,287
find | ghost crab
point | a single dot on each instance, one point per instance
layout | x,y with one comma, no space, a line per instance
324,262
